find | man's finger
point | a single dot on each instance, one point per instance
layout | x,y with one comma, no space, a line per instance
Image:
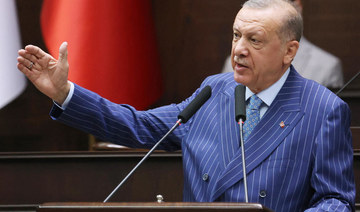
26,63
63,52
28,56
35,51
24,69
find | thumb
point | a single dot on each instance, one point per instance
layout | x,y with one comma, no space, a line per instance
63,52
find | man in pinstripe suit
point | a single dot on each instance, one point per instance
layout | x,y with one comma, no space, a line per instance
299,156
311,62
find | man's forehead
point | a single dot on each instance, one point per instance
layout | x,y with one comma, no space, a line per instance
267,18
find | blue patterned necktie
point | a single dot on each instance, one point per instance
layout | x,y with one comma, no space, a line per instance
252,115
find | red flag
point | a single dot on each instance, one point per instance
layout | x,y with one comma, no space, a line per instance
112,47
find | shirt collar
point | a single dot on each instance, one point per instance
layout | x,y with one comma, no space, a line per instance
268,95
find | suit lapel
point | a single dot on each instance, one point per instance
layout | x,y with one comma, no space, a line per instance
229,132
266,136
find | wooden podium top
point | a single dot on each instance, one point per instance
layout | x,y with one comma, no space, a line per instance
152,206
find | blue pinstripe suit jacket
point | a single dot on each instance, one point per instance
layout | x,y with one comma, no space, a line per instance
305,165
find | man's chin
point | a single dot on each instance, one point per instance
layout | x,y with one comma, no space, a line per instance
241,78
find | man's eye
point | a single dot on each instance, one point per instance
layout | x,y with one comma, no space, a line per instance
253,40
236,35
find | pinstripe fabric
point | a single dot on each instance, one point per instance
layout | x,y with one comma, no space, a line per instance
305,164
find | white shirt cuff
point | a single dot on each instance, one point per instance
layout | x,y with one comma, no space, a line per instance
68,98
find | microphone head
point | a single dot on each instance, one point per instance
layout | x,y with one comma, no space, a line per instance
195,104
240,109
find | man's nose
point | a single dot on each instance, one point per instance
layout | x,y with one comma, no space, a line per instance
240,48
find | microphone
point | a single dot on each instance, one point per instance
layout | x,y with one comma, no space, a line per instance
240,111
240,117
183,117
199,100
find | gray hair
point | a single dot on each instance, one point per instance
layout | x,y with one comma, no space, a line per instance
292,28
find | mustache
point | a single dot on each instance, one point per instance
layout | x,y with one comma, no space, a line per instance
240,61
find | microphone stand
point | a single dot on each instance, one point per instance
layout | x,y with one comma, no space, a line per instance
183,117
243,159
143,159
240,117
341,89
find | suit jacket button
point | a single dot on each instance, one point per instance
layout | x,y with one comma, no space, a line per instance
262,193
205,177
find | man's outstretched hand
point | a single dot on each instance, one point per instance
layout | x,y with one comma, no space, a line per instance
50,76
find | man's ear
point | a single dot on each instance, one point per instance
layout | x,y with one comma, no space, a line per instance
290,51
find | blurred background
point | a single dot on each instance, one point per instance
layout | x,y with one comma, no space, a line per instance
193,39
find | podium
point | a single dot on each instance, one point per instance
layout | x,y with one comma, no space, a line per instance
151,207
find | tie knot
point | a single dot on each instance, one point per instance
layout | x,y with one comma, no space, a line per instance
255,102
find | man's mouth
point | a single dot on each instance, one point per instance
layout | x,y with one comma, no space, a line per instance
240,66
